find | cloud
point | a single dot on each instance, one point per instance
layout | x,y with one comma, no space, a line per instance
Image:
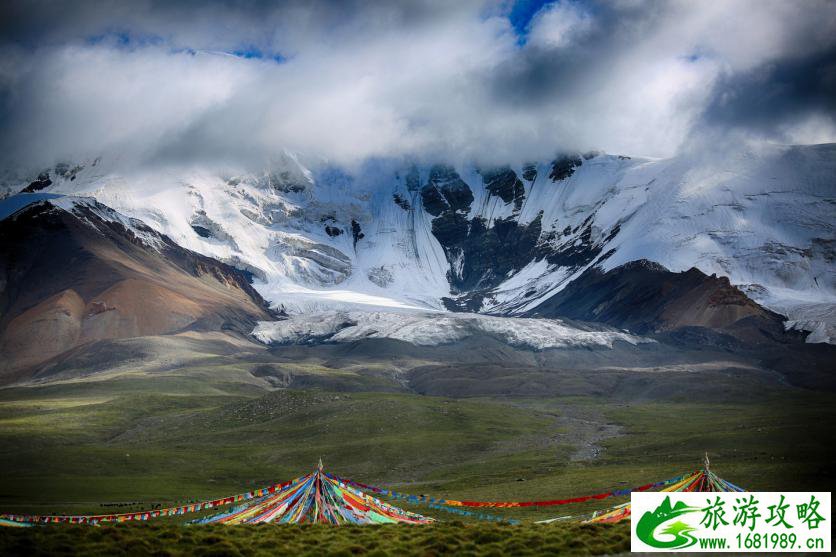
238,82
559,24
782,98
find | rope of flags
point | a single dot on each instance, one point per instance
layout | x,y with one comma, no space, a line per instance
317,498
699,481
477,516
431,502
146,515
423,499
320,497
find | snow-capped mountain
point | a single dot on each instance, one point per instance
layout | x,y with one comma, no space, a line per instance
498,240
74,272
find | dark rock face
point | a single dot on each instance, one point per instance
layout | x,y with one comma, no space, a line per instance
576,247
450,229
208,228
67,171
445,191
469,303
563,167
433,200
483,256
402,202
42,182
201,231
482,252
284,181
645,297
333,231
62,170
503,182
494,252
356,232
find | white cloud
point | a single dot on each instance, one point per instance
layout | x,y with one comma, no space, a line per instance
447,79
559,24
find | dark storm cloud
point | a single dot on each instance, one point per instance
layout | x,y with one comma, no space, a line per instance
189,81
771,97
760,68
211,24
545,69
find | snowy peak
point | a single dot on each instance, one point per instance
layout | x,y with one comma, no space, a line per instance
88,210
495,239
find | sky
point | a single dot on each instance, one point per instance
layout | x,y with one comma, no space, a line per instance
167,81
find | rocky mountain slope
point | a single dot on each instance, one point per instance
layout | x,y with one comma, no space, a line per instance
74,272
397,235
644,297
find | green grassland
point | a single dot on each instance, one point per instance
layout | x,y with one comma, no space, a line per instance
69,447
76,446
228,541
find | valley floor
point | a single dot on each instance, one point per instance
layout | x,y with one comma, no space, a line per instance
207,426
73,447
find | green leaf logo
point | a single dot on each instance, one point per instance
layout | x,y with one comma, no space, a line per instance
681,532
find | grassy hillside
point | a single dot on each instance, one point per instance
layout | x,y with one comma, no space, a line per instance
173,425
453,539
72,447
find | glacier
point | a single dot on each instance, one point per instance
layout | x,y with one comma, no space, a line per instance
433,329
